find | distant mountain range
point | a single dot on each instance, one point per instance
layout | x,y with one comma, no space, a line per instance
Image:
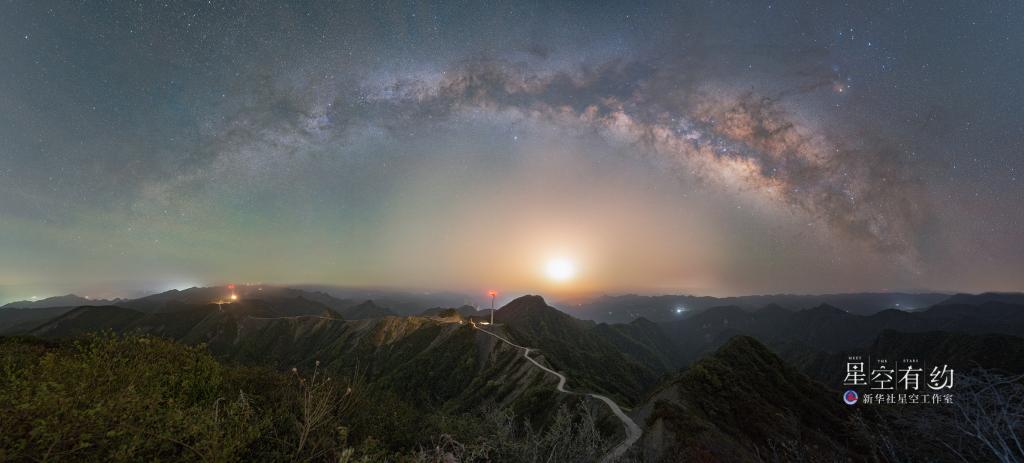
348,302
827,328
608,309
366,309
67,300
625,308
399,301
722,383
24,315
651,348
464,311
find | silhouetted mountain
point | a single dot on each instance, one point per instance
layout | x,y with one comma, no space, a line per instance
277,301
88,319
999,351
464,311
731,404
589,356
17,321
643,341
293,306
830,329
332,302
533,316
449,314
400,301
978,299
667,308
572,346
176,320
67,300
743,403
175,297
425,364
367,309
774,310
960,351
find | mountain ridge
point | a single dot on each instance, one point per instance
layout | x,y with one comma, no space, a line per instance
744,403
67,300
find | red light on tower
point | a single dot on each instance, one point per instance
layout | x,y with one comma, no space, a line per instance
492,293
231,286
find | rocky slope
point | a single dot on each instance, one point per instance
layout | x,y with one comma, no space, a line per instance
743,403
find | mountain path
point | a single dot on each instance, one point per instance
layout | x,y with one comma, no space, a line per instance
633,432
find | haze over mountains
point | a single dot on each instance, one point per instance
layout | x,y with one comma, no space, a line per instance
628,307
698,324
604,308
713,383
297,301
656,346
67,300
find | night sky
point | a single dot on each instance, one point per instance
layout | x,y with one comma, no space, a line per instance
661,148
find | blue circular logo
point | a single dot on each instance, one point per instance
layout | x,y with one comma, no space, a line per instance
850,397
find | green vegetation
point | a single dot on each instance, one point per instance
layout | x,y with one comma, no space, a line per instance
113,398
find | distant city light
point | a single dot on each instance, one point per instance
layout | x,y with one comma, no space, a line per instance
680,310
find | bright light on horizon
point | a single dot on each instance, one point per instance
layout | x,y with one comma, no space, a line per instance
560,269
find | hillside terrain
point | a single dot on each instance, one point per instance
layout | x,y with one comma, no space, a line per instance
584,353
830,329
709,386
743,403
106,398
417,365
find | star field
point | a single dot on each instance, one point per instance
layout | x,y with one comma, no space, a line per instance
705,148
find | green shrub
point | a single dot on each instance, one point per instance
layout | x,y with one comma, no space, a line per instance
106,398
112,398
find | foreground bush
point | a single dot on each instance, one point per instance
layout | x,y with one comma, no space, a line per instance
115,399
111,398
107,398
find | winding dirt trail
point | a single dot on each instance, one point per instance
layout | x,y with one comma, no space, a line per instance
633,431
